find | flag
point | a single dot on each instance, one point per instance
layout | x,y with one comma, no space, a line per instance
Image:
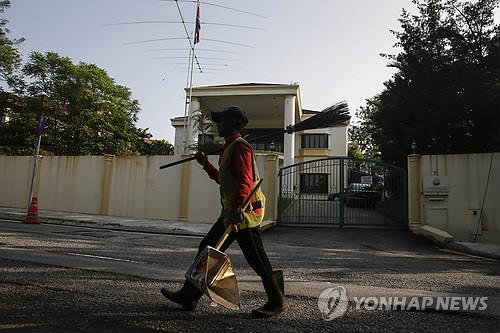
40,126
198,24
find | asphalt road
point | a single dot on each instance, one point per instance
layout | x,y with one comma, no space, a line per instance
106,281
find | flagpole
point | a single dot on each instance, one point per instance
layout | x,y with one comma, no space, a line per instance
186,102
190,113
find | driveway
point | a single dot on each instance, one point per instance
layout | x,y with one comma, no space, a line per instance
310,211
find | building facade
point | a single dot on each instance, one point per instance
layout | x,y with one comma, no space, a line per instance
270,108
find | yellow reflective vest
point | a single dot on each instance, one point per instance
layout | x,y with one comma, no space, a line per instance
254,214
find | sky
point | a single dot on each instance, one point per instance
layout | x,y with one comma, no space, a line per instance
330,47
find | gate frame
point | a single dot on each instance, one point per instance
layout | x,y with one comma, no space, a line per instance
341,160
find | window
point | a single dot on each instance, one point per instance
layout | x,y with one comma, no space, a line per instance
267,143
315,141
314,183
267,146
207,138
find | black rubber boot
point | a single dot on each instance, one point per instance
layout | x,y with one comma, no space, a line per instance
187,297
278,275
275,297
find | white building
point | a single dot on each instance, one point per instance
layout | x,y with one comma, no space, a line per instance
270,108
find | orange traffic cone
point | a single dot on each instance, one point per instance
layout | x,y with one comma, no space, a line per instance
32,216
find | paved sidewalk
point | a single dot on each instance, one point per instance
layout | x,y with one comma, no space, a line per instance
485,250
117,222
111,222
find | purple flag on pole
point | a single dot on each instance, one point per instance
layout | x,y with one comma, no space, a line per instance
40,126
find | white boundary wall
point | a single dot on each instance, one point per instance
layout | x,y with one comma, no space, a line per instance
131,186
456,208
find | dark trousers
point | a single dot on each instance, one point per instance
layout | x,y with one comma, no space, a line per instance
250,243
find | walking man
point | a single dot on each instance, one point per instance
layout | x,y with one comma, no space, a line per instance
236,176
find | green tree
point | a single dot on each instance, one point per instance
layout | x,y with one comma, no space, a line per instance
445,95
201,122
10,57
159,147
361,134
353,150
16,136
86,111
148,146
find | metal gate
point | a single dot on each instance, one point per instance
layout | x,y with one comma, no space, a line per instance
343,191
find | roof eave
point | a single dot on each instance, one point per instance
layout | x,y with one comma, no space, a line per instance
275,89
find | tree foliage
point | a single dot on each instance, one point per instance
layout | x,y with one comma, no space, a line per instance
202,123
361,144
158,147
148,146
10,57
86,111
445,95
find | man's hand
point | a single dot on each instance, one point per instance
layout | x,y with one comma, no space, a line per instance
235,216
201,158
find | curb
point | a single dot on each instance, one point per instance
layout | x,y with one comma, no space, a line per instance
459,247
266,225
108,226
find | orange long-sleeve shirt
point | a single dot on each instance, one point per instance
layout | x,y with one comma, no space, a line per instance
241,169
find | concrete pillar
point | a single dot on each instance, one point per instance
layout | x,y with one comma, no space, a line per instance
106,184
271,191
192,132
184,190
289,140
414,191
180,140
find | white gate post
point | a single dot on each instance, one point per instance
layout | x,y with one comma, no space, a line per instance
414,189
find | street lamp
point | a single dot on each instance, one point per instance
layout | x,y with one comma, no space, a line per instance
413,147
272,146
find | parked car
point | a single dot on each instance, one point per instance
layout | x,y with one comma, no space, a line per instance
358,195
